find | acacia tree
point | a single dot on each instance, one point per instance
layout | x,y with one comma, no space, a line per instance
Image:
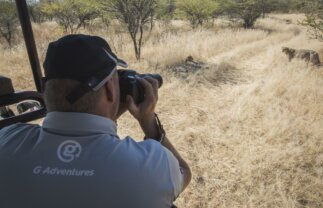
246,10
71,14
135,14
197,11
8,20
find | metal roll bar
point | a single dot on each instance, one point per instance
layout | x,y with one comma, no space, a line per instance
30,42
15,97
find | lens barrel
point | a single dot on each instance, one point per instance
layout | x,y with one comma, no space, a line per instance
155,76
129,84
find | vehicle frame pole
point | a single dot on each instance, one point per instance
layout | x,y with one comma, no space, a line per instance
30,42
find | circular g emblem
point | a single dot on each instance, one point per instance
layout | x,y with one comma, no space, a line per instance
69,150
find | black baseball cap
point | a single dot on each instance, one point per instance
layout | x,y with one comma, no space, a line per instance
87,59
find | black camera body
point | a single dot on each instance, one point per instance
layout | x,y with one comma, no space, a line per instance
129,85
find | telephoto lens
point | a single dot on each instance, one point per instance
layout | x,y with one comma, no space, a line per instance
129,85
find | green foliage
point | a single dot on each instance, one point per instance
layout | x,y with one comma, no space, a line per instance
106,17
8,20
285,6
71,14
165,9
197,11
246,10
35,13
314,17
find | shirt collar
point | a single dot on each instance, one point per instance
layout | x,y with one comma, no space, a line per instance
79,123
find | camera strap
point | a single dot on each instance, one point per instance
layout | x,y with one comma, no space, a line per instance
161,131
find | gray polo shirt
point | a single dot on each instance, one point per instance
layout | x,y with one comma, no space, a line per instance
76,160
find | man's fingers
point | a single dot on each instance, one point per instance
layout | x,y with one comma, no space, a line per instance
149,92
147,107
145,83
154,84
132,107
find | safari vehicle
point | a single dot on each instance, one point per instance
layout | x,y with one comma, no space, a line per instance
30,104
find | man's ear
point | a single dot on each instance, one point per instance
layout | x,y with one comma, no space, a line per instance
110,91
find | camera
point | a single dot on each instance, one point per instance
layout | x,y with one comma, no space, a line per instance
129,85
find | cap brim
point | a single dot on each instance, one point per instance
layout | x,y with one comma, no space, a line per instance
119,62
122,63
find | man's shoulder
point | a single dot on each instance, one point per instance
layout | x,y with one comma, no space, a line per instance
140,152
144,148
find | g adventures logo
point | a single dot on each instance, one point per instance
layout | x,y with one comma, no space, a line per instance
68,150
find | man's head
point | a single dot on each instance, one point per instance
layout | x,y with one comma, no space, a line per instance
81,76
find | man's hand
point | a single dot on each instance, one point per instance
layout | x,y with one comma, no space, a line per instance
144,112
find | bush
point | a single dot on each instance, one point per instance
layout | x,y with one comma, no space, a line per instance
197,11
246,10
314,17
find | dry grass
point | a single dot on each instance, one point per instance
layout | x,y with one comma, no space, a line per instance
251,127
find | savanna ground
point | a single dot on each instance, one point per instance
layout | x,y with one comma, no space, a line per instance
250,125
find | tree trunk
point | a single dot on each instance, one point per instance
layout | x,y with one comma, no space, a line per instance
151,23
137,53
248,23
8,37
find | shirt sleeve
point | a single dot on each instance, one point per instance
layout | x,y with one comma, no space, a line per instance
175,173
162,164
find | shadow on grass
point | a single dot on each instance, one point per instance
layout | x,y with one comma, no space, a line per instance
196,72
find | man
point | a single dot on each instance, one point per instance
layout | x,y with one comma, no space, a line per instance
76,159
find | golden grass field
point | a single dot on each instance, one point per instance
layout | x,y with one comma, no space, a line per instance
250,126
